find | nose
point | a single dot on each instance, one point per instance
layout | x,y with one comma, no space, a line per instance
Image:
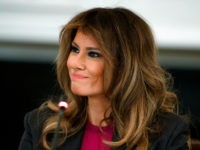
79,62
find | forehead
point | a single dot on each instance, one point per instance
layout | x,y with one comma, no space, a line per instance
85,38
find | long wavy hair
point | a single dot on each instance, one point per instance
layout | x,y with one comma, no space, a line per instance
134,82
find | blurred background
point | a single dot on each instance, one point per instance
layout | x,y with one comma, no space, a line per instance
29,31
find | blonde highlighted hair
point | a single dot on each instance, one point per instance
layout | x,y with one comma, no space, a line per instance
134,81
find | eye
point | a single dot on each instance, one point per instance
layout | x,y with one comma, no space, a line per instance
74,49
94,54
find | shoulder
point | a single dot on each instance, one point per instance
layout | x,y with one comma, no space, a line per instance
174,132
38,115
170,121
33,124
35,119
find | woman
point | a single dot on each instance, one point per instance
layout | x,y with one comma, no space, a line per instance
118,95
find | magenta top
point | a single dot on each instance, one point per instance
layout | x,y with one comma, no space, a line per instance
92,138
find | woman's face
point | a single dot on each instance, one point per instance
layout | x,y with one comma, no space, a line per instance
86,66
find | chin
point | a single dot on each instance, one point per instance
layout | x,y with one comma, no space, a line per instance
79,92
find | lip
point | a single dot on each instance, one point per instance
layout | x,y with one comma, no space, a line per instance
77,76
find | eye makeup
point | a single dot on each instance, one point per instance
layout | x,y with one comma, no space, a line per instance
91,51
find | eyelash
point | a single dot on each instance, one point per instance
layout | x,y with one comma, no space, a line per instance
94,54
74,49
91,53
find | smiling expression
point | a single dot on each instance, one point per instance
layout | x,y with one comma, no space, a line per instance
86,66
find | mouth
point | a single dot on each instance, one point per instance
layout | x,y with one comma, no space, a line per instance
77,77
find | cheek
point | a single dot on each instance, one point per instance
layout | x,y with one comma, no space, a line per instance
69,62
98,70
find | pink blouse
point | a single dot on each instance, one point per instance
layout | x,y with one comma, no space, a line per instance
93,137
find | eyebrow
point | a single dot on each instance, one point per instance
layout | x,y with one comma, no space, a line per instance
88,48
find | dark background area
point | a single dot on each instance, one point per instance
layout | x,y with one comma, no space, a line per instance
24,85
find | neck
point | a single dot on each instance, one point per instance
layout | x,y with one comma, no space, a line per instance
97,106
